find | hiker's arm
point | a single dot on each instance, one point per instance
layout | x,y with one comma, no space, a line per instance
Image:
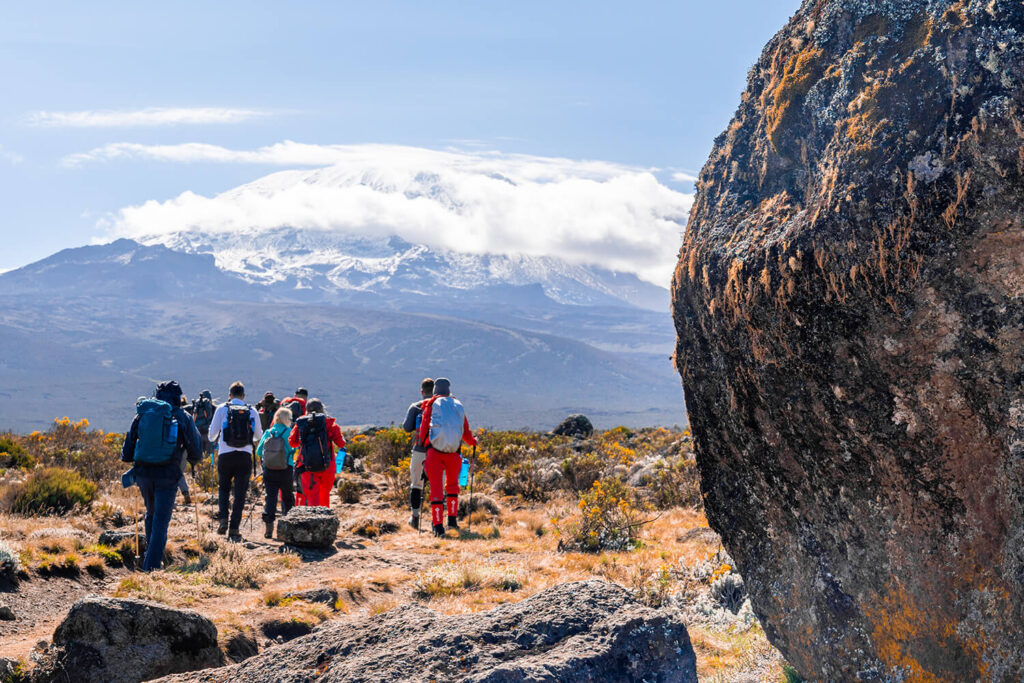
193,442
215,423
259,446
410,418
293,438
467,435
424,433
128,447
257,425
336,436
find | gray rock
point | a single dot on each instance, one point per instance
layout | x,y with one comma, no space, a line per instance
327,596
308,527
576,425
115,537
588,631
480,501
113,640
6,613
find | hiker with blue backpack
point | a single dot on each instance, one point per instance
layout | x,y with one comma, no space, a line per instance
413,418
443,430
237,426
278,460
160,435
315,435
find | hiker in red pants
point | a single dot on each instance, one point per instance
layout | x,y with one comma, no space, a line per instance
442,431
316,434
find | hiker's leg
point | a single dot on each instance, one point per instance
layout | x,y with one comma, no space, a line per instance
164,492
272,484
326,484
287,497
434,466
452,468
416,480
146,487
243,470
223,486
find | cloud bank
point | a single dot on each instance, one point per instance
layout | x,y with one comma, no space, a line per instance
153,116
586,212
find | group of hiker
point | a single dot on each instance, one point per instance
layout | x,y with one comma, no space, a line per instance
298,446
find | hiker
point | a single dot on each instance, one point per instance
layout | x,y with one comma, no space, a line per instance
237,425
297,403
419,451
202,413
160,436
316,434
267,408
278,459
443,429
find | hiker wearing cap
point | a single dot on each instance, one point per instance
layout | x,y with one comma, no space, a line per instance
237,425
278,459
267,408
315,434
296,403
443,429
161,437
413,418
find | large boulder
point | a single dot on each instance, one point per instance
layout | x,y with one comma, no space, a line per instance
589,631
575,425
849,303
110,640
308,527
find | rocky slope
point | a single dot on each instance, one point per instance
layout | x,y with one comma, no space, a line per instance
849,304
574,632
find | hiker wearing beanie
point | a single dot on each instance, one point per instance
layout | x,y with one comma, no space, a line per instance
419,452
267,408
278,459
160,435
315,435
443,429
237,425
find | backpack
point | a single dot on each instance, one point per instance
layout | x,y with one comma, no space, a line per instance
202,412
316,446
293,406
275,453
447,418
238,430
157,433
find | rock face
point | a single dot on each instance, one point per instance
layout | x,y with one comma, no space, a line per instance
117,640
849,303
575,425
308,527
589,631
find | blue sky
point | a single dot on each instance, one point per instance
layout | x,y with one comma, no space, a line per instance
642,84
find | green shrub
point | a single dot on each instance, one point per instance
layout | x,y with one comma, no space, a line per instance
53,490
789,675
349,491
13,455
524,479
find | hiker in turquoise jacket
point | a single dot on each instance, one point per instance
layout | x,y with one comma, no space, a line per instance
278,460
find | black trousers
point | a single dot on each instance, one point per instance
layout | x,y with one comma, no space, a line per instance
275,481
233,470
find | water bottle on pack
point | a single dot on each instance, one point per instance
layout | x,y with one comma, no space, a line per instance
339,460
464,474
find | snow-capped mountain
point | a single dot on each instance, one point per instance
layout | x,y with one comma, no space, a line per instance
342,266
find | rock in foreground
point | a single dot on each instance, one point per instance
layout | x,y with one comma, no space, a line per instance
308,527
849,303
575,632
112,640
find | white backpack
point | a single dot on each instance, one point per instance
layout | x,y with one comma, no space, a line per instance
447,417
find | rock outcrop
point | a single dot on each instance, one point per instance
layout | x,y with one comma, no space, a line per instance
588,631
308,527
575,425
849,303
112,640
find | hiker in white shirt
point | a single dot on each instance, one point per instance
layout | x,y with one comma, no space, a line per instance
238,427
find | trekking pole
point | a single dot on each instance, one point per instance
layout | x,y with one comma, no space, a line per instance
135,514
472,475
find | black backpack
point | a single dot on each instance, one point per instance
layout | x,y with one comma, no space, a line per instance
316,446
295,407
238,432
202,413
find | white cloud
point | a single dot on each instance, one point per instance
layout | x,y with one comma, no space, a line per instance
591,212
683,177
12,158
153,116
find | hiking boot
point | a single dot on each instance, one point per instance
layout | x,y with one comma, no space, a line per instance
453,522
223,528
187,499
439,530
269,533
414,521
235,536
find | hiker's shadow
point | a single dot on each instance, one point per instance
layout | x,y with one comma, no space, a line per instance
466,535
309,554
350,545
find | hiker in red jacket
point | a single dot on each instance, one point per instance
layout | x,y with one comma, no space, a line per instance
315,435
443,430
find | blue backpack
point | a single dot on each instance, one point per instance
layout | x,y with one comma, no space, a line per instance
157,433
